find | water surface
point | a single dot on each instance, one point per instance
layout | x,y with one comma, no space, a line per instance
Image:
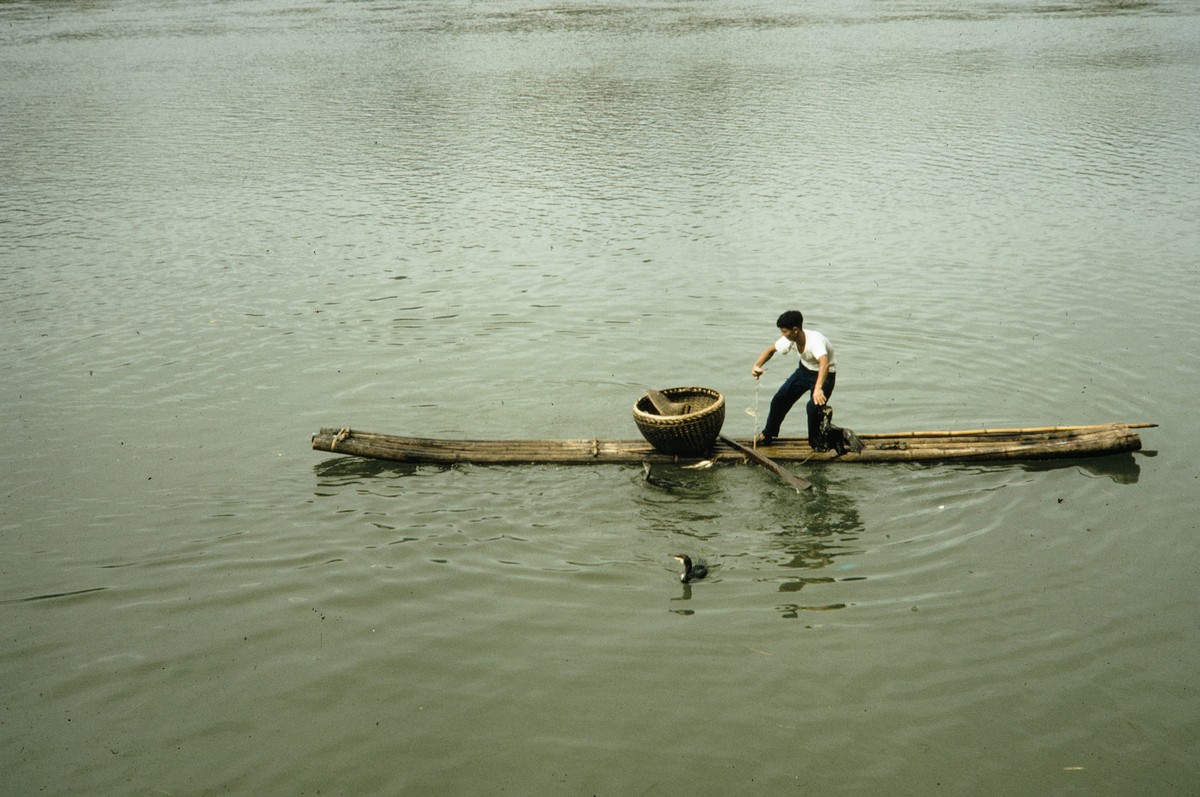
226,225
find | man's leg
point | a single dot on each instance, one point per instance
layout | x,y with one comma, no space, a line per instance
786,397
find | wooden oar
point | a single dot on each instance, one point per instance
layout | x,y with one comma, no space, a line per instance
663,404
769,464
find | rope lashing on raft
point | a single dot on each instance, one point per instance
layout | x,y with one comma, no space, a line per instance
339,437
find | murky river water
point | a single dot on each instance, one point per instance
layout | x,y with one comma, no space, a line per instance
226,225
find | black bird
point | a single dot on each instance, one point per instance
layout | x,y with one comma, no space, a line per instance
691,572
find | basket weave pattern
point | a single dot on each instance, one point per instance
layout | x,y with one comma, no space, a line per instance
690,434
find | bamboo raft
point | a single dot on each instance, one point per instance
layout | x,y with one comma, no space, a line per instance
978,445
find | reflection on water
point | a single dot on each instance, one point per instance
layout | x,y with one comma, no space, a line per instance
1122,469
343,470
821,535
685,588
681,483
817,530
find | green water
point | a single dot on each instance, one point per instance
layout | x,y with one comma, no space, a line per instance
226,225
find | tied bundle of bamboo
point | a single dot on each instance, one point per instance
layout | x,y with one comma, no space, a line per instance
1039,443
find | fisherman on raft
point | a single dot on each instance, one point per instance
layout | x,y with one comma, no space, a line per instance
816,373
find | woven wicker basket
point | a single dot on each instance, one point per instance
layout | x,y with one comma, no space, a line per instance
690,434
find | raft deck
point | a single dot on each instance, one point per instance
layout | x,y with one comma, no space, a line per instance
1051,442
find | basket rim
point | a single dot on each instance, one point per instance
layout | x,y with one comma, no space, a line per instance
670,392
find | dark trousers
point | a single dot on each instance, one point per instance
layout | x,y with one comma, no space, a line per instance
789,393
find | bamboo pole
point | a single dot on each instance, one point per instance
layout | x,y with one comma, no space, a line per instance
1029,430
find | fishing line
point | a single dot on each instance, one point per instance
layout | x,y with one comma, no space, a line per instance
753,413
757,388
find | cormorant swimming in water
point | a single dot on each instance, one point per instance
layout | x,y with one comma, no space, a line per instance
691,572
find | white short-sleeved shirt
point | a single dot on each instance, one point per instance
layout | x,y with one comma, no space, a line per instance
815,345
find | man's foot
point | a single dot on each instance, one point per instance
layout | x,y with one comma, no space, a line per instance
763,440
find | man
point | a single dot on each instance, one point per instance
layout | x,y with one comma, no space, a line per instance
817,372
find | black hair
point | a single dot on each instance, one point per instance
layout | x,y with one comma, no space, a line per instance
791,319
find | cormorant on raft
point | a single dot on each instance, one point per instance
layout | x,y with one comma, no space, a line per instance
691,572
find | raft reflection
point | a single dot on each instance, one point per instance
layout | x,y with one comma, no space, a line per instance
1122,469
